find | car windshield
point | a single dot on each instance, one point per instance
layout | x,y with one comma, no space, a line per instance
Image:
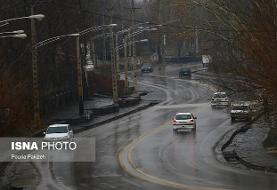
220,96
147,65
57,130
240,108
183,117
185,70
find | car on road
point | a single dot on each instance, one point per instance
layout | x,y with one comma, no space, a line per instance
242,111
184,122
59,132
220,99
185,73
146,68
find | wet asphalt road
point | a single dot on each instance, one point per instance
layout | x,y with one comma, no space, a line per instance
140,151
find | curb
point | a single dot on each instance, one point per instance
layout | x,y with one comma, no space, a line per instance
230,135
84,128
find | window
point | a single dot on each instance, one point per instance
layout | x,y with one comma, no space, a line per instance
62,129
220,96
183,117
240,108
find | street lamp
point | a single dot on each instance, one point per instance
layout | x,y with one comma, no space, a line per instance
78,58
132,35
36,106
32,17
122,32
38,17
22,36
130,43
13,32
95,28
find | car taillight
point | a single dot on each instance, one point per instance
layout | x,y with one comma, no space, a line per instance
174,121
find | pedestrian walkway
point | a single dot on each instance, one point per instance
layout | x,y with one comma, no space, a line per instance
72,111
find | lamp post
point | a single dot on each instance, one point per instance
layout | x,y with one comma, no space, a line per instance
78,58
13,34
123,31
32,17
36,106
133,62
125,44
126,84
79,76
22,36
36,17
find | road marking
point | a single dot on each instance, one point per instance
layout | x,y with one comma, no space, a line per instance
130,167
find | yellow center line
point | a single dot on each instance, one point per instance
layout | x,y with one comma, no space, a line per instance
148,177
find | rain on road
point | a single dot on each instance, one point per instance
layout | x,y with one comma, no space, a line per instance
140,151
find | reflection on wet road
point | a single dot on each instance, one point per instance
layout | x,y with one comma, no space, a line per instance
140,151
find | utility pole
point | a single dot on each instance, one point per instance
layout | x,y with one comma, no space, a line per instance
134,49
117,54
196,41
113,66
93,53
36,107
134,64
126,85
104,44
163,53
79,77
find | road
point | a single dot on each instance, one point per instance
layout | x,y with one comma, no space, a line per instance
140,151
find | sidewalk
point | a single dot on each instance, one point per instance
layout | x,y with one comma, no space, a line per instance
72,110
246,145
101,109
100,120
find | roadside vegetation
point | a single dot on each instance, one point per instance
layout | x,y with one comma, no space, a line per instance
240,36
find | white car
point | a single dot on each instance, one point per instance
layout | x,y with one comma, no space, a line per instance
242,111
184,122
220,99
59,132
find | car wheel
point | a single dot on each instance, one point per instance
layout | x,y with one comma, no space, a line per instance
194,129
249,119
175,131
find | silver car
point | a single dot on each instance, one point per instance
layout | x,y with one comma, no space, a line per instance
184,122
220,99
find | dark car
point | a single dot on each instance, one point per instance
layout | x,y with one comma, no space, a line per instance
147,68
185,73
